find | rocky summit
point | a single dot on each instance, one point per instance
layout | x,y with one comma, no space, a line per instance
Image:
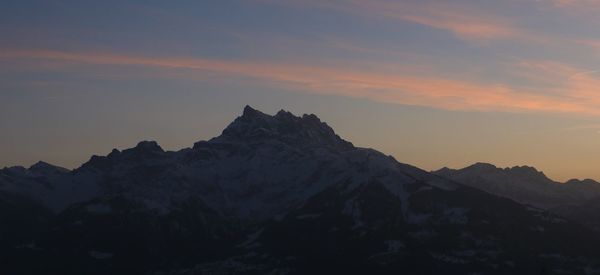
279,194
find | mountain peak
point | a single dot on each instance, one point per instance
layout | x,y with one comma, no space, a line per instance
526,171
255,125
444,171
519,171
142,150
114,152
482,166
311,117
44,168
284,114
524,168
40,165
251,112
148,146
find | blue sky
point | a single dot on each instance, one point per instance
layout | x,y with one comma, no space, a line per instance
434,83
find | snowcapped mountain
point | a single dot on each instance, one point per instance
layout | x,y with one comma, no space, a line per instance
52,186
575,199
273,194
524,184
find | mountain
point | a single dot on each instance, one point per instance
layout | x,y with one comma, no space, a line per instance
274,194
524,184
578,200
54,187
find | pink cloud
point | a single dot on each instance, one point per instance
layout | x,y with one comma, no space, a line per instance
579,87
575,94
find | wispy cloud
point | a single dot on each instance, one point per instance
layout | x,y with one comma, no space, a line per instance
583,10
467,22
572,84
573,3
592,44
579,94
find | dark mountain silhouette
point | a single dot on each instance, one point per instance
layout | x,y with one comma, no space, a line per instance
272,195
575,199
524,184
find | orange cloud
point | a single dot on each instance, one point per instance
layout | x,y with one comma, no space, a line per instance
579,86
579,94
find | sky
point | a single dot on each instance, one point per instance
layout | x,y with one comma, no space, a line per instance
433,83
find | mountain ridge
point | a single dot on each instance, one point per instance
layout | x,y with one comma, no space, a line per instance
280,194
532,169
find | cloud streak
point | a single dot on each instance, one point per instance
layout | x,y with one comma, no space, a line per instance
577,92
464,21
574,3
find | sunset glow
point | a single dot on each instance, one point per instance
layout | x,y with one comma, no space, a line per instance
514,73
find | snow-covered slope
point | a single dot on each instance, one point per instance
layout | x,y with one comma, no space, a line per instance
275,194
260,166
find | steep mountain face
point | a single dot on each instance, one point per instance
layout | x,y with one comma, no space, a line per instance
525,185
273,194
